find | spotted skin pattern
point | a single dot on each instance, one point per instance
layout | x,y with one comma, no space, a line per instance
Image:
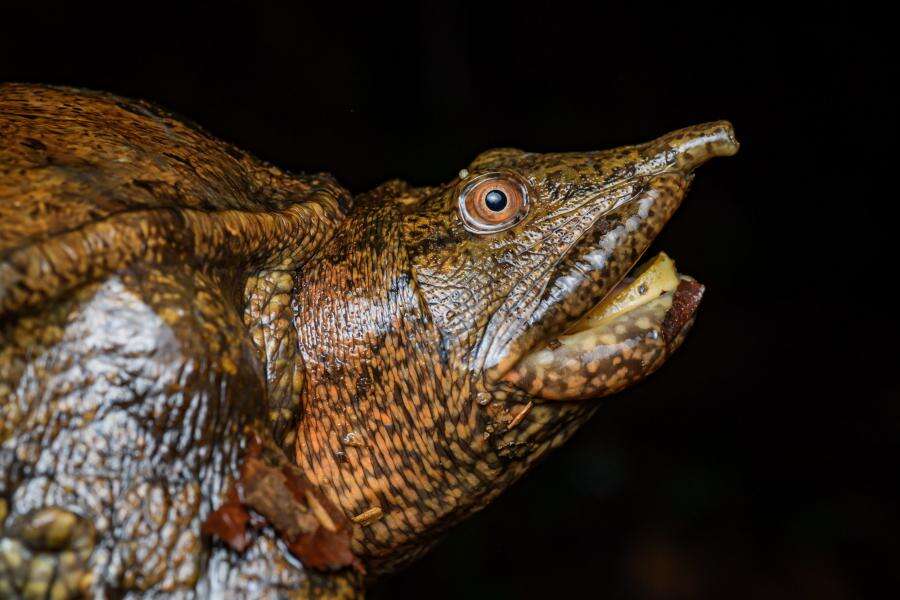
162,293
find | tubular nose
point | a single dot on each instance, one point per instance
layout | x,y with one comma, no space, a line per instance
695,145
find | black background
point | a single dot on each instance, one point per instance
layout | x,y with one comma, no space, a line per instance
761,461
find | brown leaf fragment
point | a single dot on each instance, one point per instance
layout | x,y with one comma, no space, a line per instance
265,491
271,490
229,523
319,511
325,550
328,547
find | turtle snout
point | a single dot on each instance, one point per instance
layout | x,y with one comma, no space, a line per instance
690,147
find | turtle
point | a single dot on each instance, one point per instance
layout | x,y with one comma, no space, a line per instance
222,379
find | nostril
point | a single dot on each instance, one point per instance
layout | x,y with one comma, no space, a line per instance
723,138
693,146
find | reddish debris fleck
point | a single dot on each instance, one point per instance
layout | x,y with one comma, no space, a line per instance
684,304
325,550
230,524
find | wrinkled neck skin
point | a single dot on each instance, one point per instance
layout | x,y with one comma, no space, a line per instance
392,354
390,418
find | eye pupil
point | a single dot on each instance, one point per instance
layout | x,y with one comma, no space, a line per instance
495,200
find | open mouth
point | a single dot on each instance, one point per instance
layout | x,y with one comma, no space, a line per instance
621,340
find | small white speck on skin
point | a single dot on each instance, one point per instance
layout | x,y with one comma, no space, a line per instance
544,357
352,438
645,203
596,258
608,339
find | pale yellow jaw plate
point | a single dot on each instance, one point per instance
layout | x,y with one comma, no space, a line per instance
617,343
655,278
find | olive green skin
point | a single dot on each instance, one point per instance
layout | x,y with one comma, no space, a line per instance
163,293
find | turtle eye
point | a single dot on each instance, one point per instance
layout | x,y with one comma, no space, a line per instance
493,202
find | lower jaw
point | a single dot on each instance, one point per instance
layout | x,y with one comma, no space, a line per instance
613,347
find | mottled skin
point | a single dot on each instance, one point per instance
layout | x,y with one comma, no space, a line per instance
162,294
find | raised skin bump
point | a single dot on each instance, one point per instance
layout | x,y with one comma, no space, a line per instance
162,294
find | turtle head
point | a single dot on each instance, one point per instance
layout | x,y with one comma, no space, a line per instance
452,335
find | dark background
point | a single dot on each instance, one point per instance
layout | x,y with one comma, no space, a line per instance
761,461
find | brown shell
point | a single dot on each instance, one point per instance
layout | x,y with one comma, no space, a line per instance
90,182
